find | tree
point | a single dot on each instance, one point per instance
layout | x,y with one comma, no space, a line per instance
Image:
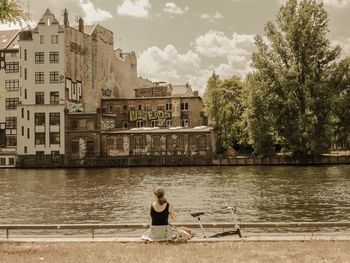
11,12
296,76
224,106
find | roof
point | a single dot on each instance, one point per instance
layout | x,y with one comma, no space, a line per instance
181,90
88,29
198,129
9,38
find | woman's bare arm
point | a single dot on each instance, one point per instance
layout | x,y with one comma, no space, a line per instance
172,213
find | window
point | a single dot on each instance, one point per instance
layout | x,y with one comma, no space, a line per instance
120,144
28,115
39,57
54,57
184,106
25,55
90,148
40,156
11,103
11,123
25,93
75,147
39,118
54,39
125,124
54,138
125,108
184,123
12,67
139,124
54,118
41,39
25,149
156,143
39,97
54,97
39,78
39,138
22,131
110,141
154,123
55,156
54,77
11,161
74,125
168,107
140,107
110,109
22,113
12,84
25,73
2,161
169,123
28,133
11,140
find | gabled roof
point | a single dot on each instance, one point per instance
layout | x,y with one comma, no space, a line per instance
9,38
182,90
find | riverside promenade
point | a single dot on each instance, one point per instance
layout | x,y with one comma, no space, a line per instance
271,248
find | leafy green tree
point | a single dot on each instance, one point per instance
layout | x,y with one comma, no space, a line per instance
296,75
11,12
260,127
224,107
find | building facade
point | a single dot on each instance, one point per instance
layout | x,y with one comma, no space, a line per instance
69,99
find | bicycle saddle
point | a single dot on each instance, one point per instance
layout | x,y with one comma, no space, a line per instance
197,214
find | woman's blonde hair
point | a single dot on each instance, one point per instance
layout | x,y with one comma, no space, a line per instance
159,192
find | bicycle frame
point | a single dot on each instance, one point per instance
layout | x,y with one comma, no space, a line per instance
233,211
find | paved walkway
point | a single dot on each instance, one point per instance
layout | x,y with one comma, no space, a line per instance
270,237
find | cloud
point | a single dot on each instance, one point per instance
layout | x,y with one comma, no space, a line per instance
331,3
94,14
212,18
168,64
135,8
172,8
336,3
217,44
176,67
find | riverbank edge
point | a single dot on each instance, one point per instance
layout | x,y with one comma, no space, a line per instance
271,237
174,161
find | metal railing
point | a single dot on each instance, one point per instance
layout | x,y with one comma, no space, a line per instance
94,227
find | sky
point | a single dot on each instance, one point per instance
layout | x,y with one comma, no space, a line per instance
184,41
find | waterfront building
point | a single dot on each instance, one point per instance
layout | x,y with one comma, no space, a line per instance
69,96
9,96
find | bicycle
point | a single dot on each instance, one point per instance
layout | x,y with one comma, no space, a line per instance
235,231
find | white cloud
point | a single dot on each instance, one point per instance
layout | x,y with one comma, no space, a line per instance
168,64
172,66
337,3
93,14
331,3
217,44
172,8
212,18
136,8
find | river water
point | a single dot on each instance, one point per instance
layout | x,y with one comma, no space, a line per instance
262,194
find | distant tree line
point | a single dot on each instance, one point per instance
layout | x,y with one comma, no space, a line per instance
297,96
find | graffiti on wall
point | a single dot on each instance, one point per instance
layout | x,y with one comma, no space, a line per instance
107,125
161,116
74,107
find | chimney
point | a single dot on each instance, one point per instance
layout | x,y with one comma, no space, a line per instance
65,18
81,25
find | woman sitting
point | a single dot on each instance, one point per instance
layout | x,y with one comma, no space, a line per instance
160,229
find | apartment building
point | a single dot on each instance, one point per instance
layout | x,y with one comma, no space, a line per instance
52,70
9,96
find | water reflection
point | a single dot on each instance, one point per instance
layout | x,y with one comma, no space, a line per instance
124,195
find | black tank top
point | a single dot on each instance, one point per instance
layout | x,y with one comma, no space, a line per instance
160,218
